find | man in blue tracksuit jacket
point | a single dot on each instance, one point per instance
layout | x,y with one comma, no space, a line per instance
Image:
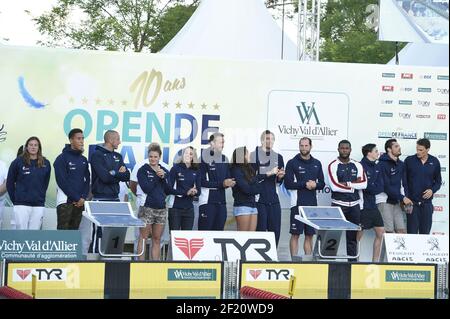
73,180
394,181
108,170
304,176
423,180
346,177
370,215
215,178
264,159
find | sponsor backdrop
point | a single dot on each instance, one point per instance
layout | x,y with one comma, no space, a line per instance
179,101
426,249
372,281
311,279
223,245
176,280
40,245
59,280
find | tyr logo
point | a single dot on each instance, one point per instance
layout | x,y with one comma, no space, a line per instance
274,274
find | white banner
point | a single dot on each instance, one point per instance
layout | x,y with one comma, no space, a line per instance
179,101
408,248
223,245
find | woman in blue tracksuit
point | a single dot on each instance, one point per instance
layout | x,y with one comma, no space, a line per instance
27,183
154,181
185,183
248,186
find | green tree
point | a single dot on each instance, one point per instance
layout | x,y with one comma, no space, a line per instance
170,23
117,25
346,36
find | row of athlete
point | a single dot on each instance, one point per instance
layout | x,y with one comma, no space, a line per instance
100,178
369,192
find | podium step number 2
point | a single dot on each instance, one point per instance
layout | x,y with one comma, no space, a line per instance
329,222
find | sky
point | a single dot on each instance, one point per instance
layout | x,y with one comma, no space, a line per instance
16,25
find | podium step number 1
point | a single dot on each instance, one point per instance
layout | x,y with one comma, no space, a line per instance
114,218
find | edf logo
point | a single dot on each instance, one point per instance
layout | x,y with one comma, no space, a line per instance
307,112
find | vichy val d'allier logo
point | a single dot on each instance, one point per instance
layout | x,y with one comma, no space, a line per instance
306,113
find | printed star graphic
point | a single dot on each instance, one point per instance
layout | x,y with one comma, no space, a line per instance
166,104
191,105
84,101
204,106
216,106
178,105
98,101
111,101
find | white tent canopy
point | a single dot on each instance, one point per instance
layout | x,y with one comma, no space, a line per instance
236,29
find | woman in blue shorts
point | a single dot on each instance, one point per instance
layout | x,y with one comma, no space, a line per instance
247,188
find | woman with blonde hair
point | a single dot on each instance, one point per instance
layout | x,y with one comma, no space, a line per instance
185,181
